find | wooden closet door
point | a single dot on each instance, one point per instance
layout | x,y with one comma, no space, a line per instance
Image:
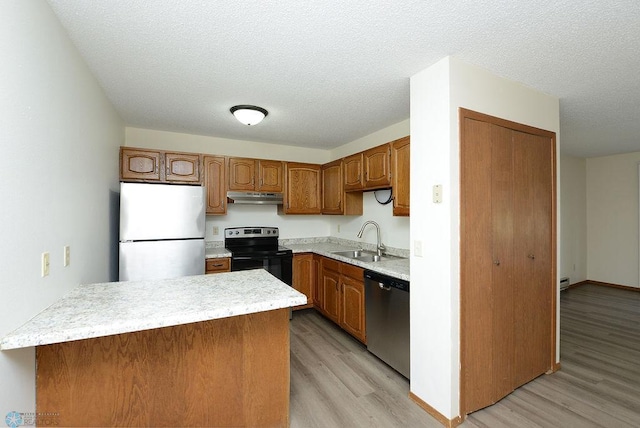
532,253
502,238
476,321
507,257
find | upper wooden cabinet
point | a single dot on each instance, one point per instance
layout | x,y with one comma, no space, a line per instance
353,176
400,175
242,174
255,175
302,189
334,198
368,170
138,164
270,176
159,166
377,167
182,167
215,184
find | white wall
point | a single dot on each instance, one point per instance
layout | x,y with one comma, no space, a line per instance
59,138
436,95
573,240
164,140
395,230
612,219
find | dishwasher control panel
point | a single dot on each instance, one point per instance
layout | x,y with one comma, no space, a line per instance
387,281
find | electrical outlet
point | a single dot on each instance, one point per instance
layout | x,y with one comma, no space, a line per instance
67,255
437,194
338,228
45,264
216,230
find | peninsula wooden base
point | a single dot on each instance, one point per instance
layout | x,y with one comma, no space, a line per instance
226,372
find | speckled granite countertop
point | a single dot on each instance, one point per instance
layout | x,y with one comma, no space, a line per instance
216,253
398,268
97,310
324,246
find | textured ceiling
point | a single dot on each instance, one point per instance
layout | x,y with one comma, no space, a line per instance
330,72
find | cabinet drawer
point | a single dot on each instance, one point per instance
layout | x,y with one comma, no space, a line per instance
352,271
331,264
218,265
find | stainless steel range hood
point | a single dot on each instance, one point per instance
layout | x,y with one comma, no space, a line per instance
255,198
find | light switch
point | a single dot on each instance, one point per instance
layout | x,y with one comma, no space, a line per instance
417,248
215,230
437,194
45,264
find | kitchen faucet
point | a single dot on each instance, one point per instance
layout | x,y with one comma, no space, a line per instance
381,246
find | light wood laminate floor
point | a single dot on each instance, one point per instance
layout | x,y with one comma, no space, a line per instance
336,382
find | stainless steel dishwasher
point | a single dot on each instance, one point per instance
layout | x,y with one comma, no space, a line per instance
387,318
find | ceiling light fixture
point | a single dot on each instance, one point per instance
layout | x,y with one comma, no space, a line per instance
249,115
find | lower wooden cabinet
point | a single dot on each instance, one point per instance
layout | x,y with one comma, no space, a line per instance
329,287
352,301
304,277
342,296
218,265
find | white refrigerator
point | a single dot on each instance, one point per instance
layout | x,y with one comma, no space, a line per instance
161,231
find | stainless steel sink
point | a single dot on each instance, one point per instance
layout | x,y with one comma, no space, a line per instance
353,253
364,256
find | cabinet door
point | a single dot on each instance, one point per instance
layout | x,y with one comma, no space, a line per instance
377,173
303,188
330,287
215,184
136,164
332,189
182,167
353,176
352,315
315,285
218,265
241,174
303,277
400,175
270,176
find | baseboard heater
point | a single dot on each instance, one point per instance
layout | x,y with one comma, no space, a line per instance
564,283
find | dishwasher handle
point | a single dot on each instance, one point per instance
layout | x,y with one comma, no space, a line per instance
384,287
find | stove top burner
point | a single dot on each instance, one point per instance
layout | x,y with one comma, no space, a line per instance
260,241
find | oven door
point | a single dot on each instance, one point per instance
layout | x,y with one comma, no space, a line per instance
278,265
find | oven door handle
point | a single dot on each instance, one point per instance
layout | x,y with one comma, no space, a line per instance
246,258
261,257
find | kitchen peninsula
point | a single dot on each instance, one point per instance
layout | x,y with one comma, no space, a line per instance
207,350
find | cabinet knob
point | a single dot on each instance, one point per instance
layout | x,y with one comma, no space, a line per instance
496,262
531,256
